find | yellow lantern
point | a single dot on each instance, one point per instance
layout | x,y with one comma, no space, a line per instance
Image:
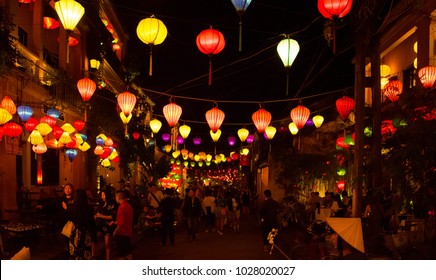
186,163
197,157
243,134
35,138
245,151
215,136
318,120
5,116
167,148
106,162
68,128
70,12
125,119
43,128
95,64
113,155
155,125
151,31
79,138
184,131
84,147
293,128
176,154
208,157
270,131
385,70
65,138
108,142
102,136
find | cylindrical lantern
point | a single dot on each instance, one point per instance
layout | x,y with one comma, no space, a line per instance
261,119
392,90
344,106
172,113
12,129
427,76
318,120
299,116
25,112
215,135
5,116
270,131
184,131
334,8
70,12
127,102
155,125
9,105
210,42
86,88
214,118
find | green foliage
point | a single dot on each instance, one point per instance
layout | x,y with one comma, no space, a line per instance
8,53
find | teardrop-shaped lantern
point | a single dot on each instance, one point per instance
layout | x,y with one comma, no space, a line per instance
210,42
270,132
54,113
25,112
86,88
184,131
71,154
5,116
12,129
242,134
261,119
293,128
427,76
392,90
318,120
214,118
344,106
334,8
9,105
79,125
288,50
299,116
155,125
151,31
240,6
35,138
70,12
172,113
39,148
215,135
127,102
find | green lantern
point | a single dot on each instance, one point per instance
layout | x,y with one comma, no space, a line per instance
349,140
367,131
341,172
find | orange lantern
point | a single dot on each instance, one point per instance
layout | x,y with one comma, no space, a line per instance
50,23
345,105
261,119
214,118
9,105
86,88
210,42
392,90
12,129
39,148
172,113
299,116
127,102
427,76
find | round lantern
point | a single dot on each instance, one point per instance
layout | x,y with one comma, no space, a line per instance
151,31
136,135
31,124
288,50
427,76
184,131
392,90
50,23
166,137
71,154
94,63
261,119
9,105
79,125
242,134
12,129
231,140
344,106
334,8
250,138
214,118
70,12
39,148
48,120
210,42
215,135
167,148
318,120
25,112
180,140
126,101
35,138
196,140
299,116
5,116
155,125
86,88
172,113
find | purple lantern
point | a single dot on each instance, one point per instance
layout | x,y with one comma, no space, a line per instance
99,141
71,154
196,140
166,137
180,140
231,140
265,136
250,139
309,122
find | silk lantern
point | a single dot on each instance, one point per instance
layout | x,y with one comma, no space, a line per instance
293,128
172,113
86,88
427,76
70,12
151,31
231,140
288,50
127,102
184,131
215,135
155,125
44,128
261,119
5,116
210,42
8,104
270,132
392,90
39,148
242,134
12,129
318,120
344,106
71,154
25,112
54,113
299,116
240,6
166,137
196,140
214,118
31,124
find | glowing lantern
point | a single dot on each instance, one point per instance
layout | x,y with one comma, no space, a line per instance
125,119
65,138
340,186
340,142
332,9
43,128
293,128
31,124
86,88
9,105
127,102
70,12
25,112
231,140
94,63
71,154
344,106
185,163
193,163
240,6
113,155
79,125
210,42
35,138
54,144
234,156
427,76
215,135
151,31
196,140
200,164
172,113
385,70
288,50
299,116
73,143
261,119
155,125
68,128
48,120
50,23
5,116
71,41
318,120
116,47
39,148
176,154
184,131
105,162
270,131
166,137
12,129
250,139
57,132
108,141
392,90
180,140
98,150
84,147
242,134
214,118
136,135
167,148
54,113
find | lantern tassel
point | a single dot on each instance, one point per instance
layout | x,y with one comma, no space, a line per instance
150,70
287,81
125,131
210,71
240,34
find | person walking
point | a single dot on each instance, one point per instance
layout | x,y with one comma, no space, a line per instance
166,212
124,227
191,211
268,216
105,214
209,209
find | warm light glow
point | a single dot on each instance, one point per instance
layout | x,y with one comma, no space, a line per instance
261,119
299,116
86,88
427,76
125,119
151,31
35,138
385,70
392,90
270,132
172,113
65,138
5,116
184,131
95,64
334,8
126,102
8,104
288,50
318,120
39,148
214,118
70,12
344,106
293,128
215,135
242,134
12,129
155,126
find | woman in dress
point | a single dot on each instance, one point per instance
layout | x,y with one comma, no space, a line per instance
105,214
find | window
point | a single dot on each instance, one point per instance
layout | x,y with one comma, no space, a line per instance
22,36
409,77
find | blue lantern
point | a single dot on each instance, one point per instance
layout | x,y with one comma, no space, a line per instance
71,154
25,112
54,113
84,137
99,141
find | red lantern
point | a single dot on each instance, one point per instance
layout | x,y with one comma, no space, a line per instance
127,102
210,42
79,125
299,116
392,90
48,120
12,129
172,113
136,135
50,23
345,105
261,119
31,124
214,118
57,132
427,75
334,8
340,142
340,186
73,143
86,88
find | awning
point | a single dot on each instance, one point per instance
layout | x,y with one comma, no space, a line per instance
350,230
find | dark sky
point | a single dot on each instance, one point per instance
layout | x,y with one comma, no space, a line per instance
254,75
